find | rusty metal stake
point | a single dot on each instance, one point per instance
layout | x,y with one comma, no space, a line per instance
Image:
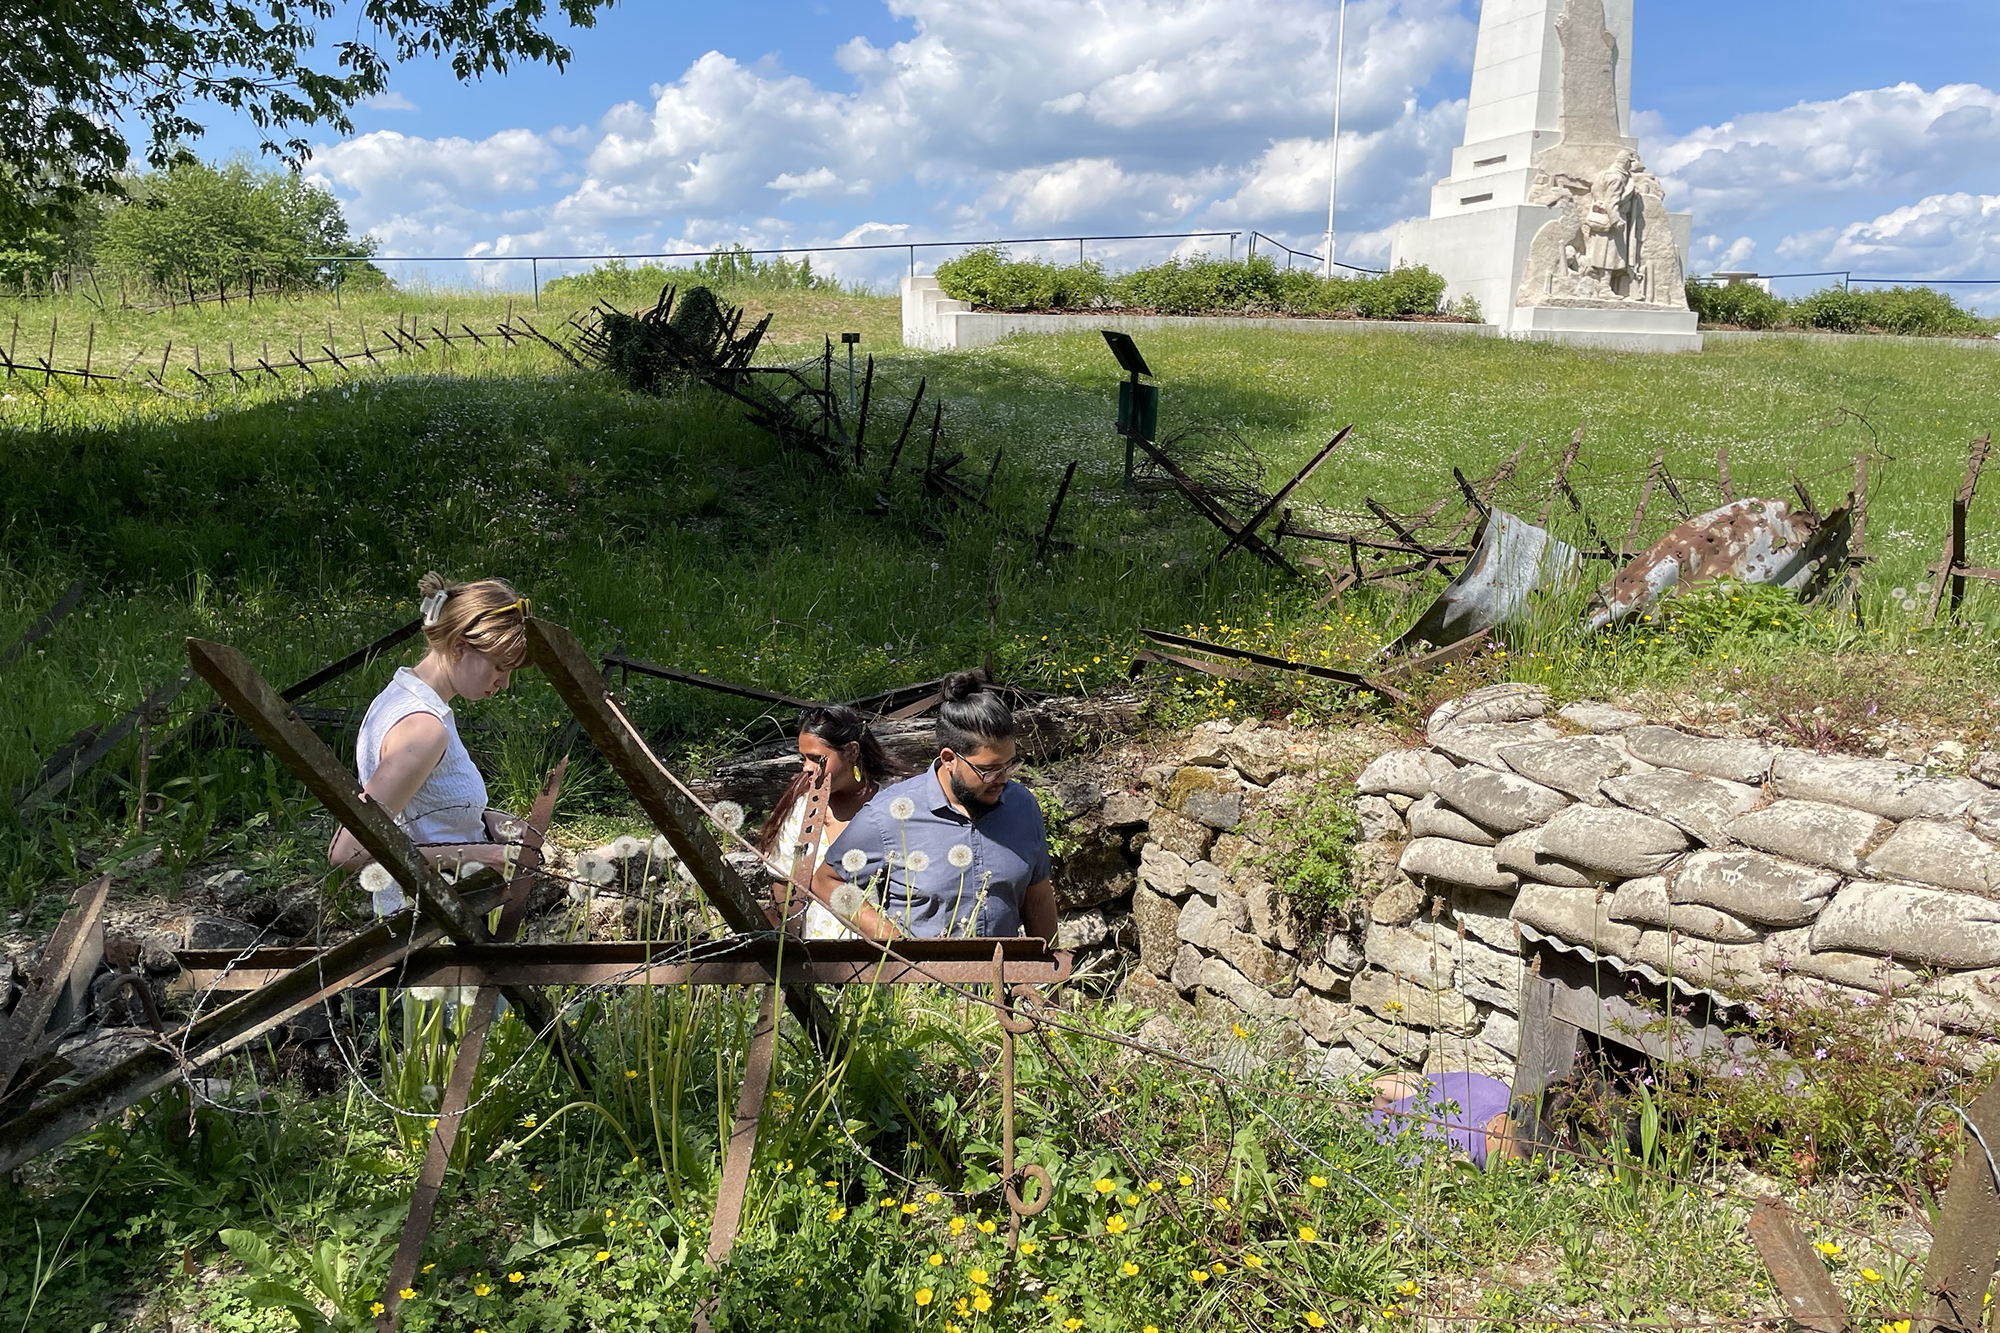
1954,542
1011,1027
1960,1270
80,929
1796,1270
743,1133
465,1065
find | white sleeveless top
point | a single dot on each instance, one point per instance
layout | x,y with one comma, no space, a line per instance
451,805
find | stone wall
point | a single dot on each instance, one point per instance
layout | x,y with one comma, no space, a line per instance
1728,866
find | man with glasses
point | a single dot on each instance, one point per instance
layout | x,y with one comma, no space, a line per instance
959,849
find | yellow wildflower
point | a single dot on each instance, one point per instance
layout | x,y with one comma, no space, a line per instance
1186,1181
1253,1261
1197,1275
957,1225
1221,1204
1870,1275
1072,1324
631,1073
982,1302
516,1275
376,1307
933,1197
1105,1187
1308,1235
1115,1224
978,1277
935,1260
480,1289
1131,1201
601,1256
924,1295
1027,1247
1317,1182
1314,1319
910,1208
987,1225
1130,1269
835,1214
1154,1186
1827,1248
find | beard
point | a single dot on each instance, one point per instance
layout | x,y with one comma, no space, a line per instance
970,798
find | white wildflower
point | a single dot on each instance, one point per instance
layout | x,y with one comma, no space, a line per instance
854,860
729,815
902,808
847,900
1909,603
960,855
593,868
375,877
918,861
1898,594
662,849
625,848
511,830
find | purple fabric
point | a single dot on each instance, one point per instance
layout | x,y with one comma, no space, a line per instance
1451,1107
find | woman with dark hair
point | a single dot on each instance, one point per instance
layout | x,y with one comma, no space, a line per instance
960,848
838,737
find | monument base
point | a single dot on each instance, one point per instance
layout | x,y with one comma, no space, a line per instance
1614,330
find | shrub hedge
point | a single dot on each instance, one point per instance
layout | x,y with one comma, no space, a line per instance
1198,285
1922,311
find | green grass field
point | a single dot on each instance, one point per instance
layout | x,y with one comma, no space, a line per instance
292,517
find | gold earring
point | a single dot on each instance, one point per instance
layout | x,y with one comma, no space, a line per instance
857,772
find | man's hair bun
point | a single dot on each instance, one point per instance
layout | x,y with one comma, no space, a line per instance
962,685
971,715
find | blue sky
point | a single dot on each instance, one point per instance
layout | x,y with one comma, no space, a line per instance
1802,135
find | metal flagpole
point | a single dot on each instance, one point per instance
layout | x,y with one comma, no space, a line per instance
1333,185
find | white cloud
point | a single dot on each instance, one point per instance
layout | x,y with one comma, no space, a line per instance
1895,140
389,101
1026,113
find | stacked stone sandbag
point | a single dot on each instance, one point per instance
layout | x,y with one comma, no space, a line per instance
1725,865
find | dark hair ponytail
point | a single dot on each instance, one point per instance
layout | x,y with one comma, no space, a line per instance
971,715
839,726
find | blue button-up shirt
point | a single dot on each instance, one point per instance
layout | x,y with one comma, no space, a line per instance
934,871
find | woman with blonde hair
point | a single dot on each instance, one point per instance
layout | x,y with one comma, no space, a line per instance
410,758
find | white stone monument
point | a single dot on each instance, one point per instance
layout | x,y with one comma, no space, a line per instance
1548,218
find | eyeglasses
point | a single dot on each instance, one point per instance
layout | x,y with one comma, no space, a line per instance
993,772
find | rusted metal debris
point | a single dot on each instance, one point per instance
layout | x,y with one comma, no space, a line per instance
465,1063
61,978
1512,559
45,621
1352,679
1796,1270
82,751
1951,567
1212,509
1961,1267
1756,541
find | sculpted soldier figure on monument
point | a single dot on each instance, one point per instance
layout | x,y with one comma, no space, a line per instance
1611,244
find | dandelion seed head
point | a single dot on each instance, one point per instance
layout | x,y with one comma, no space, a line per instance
902,808
918,861
729,814
854,861
960,855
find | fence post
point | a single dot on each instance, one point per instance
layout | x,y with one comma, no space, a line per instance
535,276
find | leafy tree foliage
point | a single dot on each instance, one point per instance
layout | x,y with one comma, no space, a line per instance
75,74
194,223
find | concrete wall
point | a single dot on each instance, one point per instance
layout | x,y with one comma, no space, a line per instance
935,322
